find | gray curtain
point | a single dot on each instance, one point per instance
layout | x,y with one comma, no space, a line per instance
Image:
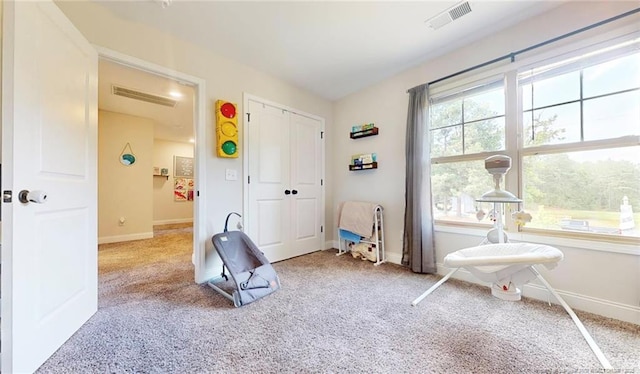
418,251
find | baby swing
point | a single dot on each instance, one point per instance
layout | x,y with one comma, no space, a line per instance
251,272
508,265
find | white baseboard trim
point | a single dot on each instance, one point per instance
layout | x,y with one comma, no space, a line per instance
124,238
394,258
170,221
606,308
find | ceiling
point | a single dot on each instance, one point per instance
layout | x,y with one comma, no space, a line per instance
170,123
331,48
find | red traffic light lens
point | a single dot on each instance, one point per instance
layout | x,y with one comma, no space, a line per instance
228,110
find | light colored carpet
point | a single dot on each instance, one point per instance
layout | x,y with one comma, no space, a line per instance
332,315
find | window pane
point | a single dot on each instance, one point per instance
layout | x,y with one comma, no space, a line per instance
485,135
455,186
445,114
612,116
556,90
555,125
589,191
484,105
527,101
446,141
612,76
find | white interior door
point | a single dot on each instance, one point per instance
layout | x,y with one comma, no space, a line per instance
306,181
49,140
285,200
269,164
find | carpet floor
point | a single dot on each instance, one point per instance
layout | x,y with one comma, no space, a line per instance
332,315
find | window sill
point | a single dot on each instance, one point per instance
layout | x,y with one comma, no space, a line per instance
600,244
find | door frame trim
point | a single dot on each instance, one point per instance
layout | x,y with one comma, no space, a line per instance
199,85
246,97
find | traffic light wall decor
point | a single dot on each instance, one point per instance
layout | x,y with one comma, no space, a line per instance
226,129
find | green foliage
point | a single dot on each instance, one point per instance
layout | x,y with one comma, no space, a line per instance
543,130
555,181
483,133
564,183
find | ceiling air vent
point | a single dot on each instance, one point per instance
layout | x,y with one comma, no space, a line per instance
449,15
143,96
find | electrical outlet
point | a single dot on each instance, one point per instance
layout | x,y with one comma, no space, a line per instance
231,175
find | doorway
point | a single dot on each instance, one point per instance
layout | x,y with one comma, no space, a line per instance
148,118
197,128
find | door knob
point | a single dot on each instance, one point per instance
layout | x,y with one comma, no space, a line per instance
295,192
287,192
36,196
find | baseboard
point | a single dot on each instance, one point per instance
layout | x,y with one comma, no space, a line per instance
171,221
606,308
124,238
394,258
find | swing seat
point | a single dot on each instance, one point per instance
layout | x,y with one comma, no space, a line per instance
506,265
251,272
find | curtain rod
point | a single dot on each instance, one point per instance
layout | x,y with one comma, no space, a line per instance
513,55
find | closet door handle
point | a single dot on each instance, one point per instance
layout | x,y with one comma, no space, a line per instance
295,192
287,192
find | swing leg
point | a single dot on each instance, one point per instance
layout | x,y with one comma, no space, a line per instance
592,344
427,292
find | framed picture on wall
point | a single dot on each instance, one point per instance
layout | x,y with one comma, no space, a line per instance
183,167
183,189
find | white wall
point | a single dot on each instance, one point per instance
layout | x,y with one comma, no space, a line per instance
165,208
601,282
124,191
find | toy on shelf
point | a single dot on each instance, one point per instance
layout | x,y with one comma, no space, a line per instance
361,131
364,161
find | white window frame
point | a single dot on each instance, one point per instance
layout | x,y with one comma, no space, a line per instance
515,149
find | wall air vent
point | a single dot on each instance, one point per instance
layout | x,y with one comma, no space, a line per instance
449,15
143,96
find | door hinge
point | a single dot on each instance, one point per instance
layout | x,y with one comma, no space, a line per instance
248,117
321,134
198,193
321,228
7,196
321,182
248,179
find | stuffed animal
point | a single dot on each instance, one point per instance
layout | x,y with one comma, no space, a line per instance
365,251
521,217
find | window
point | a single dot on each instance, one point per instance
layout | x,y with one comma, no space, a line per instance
574,141
464,126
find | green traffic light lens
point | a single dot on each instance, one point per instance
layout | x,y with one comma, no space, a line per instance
229,147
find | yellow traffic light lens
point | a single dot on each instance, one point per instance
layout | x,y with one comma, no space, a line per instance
228,129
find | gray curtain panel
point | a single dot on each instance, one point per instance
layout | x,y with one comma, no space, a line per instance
418,251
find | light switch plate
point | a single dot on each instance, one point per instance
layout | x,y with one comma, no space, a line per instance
231,175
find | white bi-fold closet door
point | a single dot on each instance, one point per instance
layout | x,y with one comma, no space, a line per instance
284,207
